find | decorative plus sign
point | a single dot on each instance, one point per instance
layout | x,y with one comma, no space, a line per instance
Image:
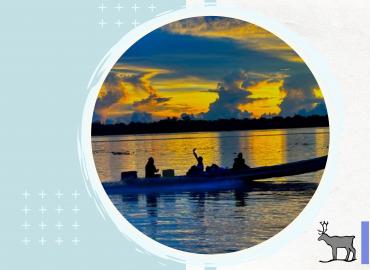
42,195
57,219
135,7
118,7
59,241
42,241
102,23
135,23
26,225
26,210
75,194
59,210
102,7
26,194
43,210
59,225
59,194
75,209
110,11
76,241
43,225
75,225
26,241
152,7
118,23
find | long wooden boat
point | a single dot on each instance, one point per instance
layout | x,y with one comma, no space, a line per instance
225,180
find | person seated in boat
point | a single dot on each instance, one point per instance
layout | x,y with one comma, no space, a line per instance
214,169
150,169
239,163
196,169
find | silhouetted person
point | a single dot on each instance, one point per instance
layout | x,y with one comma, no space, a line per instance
239,163
200,166
196,169
150,169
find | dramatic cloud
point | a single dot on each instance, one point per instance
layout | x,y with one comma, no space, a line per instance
113,90
141,117
110,97
113,105
187,116
232,93
318,109
302,97
141,81
179,71
246,34
151,101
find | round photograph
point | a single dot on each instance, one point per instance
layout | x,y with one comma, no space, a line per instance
210,135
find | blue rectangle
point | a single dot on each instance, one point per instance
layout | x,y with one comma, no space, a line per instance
365,242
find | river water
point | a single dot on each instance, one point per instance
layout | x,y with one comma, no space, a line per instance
213,222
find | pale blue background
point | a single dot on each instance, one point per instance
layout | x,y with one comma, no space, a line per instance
48,52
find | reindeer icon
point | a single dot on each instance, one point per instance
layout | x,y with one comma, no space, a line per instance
337,242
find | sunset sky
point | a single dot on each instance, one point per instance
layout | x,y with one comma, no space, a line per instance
208,68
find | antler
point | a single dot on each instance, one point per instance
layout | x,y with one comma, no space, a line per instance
324,226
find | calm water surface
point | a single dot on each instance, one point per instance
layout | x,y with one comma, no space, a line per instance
213,222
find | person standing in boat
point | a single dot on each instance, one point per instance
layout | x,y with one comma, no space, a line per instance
239,163
150,169
200,165
196,169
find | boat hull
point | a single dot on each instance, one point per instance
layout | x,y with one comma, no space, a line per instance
227,180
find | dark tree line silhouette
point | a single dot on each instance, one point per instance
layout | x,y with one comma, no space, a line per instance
172,125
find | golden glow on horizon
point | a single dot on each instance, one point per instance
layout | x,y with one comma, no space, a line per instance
268,95
261,154
189,95
186,83
321,142
190,102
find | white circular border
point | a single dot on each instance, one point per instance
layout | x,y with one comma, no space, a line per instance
306,217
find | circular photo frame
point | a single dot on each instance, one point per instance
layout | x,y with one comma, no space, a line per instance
104,203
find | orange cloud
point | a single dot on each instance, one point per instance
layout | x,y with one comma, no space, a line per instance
268,95
143,90
317,93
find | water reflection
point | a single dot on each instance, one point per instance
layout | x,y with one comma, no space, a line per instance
322,142
239,196
130,199
151,206
198,200
174,151
214,222
266,149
